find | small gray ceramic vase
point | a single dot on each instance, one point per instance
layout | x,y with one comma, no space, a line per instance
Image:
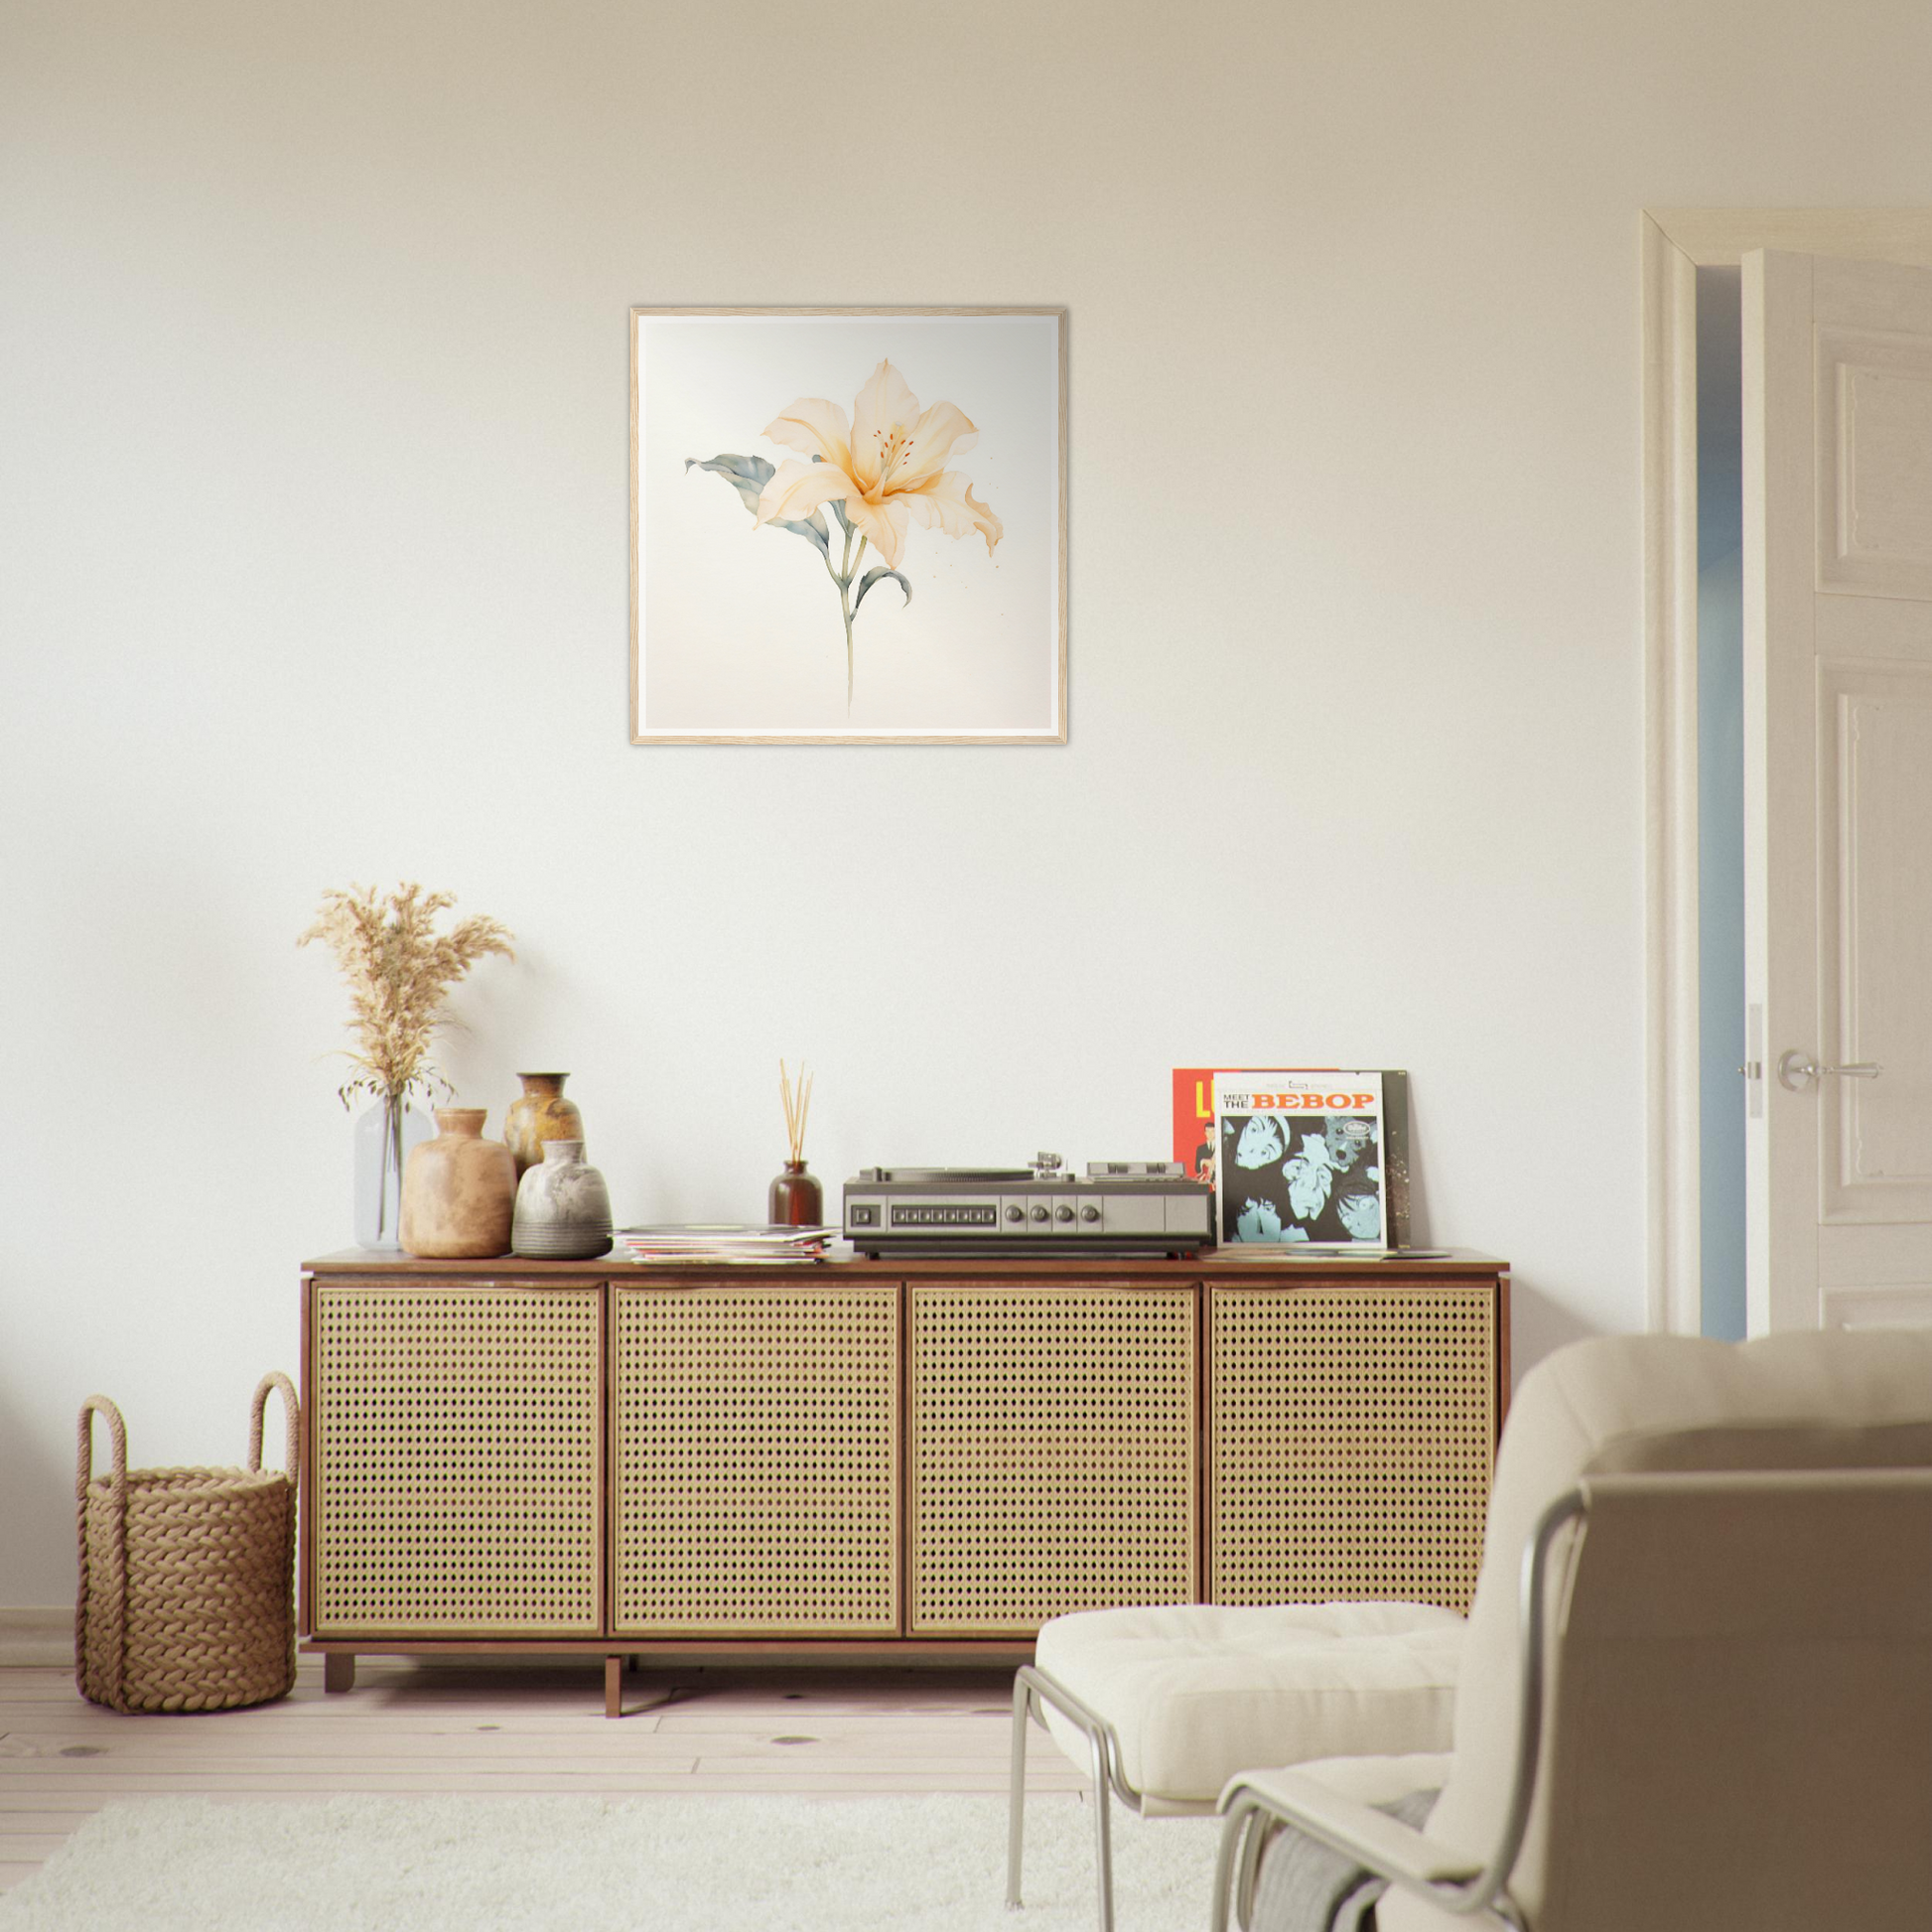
563,1208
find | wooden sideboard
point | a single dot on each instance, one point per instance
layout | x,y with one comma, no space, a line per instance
882,1459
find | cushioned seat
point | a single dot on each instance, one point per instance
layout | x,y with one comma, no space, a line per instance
1196,1692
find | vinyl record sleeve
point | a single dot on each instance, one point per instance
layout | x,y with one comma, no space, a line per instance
1198,1147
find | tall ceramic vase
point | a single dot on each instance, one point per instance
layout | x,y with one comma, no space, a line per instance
540,1113
384,1136
458,1190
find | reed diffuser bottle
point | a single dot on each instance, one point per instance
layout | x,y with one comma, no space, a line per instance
795,1199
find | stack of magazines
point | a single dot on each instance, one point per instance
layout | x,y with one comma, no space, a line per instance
698,1241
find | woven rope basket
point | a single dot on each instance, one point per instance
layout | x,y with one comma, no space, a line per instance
187,1576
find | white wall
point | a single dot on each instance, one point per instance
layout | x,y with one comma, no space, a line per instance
314,380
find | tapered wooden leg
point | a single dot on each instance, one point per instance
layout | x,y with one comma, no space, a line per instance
338,1670
614,1687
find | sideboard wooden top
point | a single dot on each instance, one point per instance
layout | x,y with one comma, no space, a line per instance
1220,1265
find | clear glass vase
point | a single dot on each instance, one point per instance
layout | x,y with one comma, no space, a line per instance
384,1134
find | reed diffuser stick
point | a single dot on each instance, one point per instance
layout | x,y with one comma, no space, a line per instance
797,1104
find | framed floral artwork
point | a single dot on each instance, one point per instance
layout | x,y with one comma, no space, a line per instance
848,527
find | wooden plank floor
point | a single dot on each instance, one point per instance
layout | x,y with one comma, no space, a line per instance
510,1727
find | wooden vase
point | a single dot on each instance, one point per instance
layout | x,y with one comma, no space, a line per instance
458,1190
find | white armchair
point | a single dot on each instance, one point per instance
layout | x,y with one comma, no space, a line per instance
1697,1684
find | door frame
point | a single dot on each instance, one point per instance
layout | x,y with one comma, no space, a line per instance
1675,244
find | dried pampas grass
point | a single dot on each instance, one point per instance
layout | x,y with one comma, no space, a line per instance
399,969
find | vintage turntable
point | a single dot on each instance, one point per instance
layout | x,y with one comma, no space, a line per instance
1134,1207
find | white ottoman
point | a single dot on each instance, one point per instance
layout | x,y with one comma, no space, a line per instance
1166,1704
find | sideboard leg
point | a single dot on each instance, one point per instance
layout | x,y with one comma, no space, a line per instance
614,1687
338,1670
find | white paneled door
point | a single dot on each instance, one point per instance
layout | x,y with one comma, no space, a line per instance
1838,776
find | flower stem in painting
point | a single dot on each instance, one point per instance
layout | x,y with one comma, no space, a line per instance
842,577
845,611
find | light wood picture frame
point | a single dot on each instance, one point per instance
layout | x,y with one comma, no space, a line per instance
848,525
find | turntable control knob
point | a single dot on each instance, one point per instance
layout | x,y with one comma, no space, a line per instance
1089,1213
1014,1212
1063,1213
1039,1214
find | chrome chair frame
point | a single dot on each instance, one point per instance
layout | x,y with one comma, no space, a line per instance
1032,1689
1253,1816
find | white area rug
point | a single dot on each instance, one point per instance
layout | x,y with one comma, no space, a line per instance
764,1863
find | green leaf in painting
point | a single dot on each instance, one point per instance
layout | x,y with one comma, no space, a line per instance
872,577
748,474
814,529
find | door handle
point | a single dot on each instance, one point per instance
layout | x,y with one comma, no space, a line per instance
1797,1070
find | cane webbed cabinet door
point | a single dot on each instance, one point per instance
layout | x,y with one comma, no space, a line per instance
1351,1435
755,1455
1053,1466
457,1458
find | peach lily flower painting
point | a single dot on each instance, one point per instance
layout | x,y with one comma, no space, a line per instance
890,571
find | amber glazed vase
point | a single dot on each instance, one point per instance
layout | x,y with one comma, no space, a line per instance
539,1114
458,1190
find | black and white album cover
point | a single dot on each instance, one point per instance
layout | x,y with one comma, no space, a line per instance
1302,1158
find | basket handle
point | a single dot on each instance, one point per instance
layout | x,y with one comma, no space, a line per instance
112,1613
117,1433
291,1410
